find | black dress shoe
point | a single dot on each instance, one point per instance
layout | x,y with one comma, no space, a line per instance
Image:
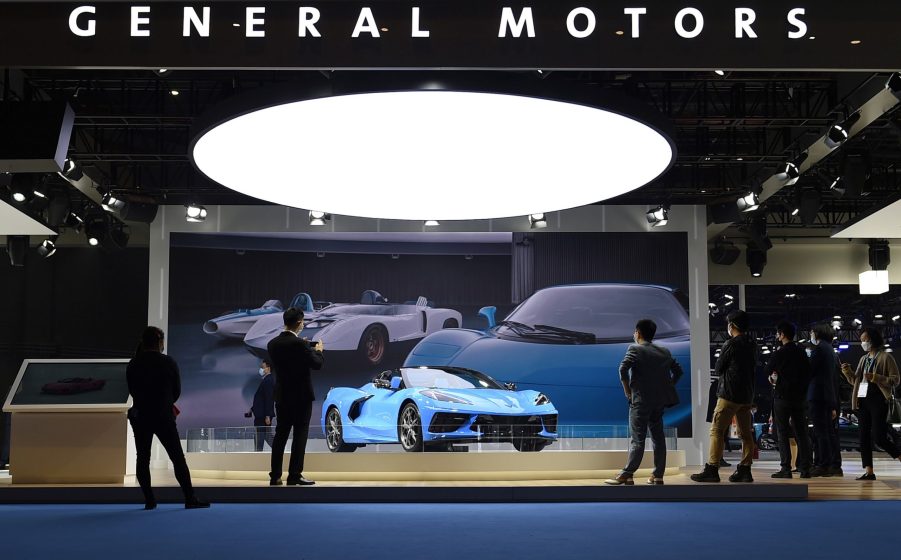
805,474
819,471
867,476
836,471
275,482
724,463
300,482
781,474
194,503
150,505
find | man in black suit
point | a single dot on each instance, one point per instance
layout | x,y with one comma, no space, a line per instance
292,359
154,385
263,409
648,374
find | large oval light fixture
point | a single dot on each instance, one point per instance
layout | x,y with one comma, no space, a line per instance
433,154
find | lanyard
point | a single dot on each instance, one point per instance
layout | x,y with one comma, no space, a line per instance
869,366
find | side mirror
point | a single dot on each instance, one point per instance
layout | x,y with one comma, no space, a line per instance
395,383
510,386
381,383
488,313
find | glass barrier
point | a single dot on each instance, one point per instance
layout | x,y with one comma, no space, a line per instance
486,437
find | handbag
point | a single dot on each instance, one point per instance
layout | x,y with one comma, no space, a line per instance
893,415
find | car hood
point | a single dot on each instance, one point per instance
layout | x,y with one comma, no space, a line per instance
516,361
498,401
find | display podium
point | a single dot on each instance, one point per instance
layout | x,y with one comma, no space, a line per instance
69,423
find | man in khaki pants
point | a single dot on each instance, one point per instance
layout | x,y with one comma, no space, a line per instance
735,397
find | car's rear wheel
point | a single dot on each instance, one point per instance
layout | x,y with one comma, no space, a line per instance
334,433
450,324
409,428
529,444
373,344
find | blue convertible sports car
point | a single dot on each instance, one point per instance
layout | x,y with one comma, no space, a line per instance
431,407
567,342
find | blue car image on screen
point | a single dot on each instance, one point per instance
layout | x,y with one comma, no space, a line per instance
567,342
425,408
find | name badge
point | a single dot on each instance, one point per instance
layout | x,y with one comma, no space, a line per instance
862,389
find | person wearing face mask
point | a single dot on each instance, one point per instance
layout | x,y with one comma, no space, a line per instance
735,398
789,372
648,374
823,403
263,409
873,380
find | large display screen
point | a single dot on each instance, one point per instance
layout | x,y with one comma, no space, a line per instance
67,383
550,312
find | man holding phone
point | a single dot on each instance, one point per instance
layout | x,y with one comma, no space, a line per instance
292,359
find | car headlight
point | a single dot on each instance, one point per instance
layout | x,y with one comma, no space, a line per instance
444,397
542,399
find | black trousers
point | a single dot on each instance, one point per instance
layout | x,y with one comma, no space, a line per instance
294,415
788,414
166,431
873,427
827,450
262,434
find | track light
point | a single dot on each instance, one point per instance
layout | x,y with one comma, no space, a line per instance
748,202
195,213
896,319
432,223
110,203
537,221
318,218
22,188
658,216
95,230
40,192
791,170
71,172
719,73
47,248
838,187
893,84
840,132
756,260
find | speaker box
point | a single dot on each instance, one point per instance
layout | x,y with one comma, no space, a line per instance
723,213
35,136
17,246
724,253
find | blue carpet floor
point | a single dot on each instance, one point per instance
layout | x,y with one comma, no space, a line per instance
768,531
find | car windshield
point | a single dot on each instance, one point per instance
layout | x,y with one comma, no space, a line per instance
361,309
608,312
447,379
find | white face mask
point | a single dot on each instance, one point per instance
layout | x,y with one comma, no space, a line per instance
865,346
262,372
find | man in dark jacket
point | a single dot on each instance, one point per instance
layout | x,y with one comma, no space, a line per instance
735,397
648,374
292,359
154,385
823,398
263,408
789,373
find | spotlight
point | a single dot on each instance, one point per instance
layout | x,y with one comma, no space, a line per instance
71,172
22,188
195,213
19,196
878,316
894,84
174,92
47,248
432,223
807,206
537,221
40,192
757,232
95,231
719,72
836,325
756,260
838,133
896,319
727,296
73,220
837,187
749,202
730,302
110,203
318,218
658,216
791,170
857,322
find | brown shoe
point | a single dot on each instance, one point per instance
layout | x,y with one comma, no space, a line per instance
655,480
620,479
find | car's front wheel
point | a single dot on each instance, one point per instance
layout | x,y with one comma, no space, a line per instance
409,428
334,434
529,444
